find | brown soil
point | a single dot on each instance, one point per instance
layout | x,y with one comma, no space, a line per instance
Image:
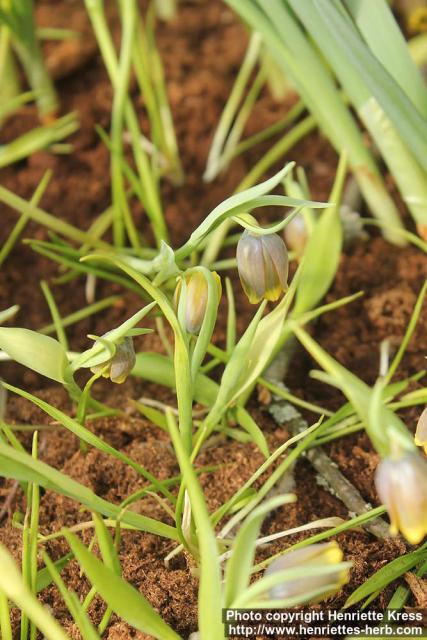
202,51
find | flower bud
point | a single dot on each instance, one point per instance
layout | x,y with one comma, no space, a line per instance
196,298
262,262
295,234
421,432
119,366
312,557
402,487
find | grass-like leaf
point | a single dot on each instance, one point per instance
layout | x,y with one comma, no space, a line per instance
239,566
357,392
381,578
21,466
14,588
121,596
210,596
70,598
323,251
87,436
401,111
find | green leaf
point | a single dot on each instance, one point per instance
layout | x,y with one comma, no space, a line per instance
243,202
260,348
406,118
106,545
74,605
323,251
21,466
121,596
381,578
40,353
357,392
87,436
210,596
8,313
386,41
12,585
245,420
238,571
159,369
44,577
5,622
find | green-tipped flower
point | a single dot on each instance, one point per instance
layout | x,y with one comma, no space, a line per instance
310,560
402,487
119,366
262,261
421,432
196,299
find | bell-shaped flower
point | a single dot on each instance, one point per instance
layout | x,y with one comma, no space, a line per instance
119,366
262,261
196,298
296,236
113,355
322,571
401,484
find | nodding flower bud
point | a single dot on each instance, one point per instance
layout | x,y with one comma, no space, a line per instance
421,432
295,234
119,366
262,262
196,298
402,487
314,557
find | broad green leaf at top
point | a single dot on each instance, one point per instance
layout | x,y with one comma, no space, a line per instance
38,352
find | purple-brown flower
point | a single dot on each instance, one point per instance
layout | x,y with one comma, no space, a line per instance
402,487
262,262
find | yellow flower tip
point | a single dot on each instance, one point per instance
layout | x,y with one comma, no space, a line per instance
413,535
344,577
417,20
333,554
422,231
272,295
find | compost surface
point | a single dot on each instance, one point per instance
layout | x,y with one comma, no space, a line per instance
202,51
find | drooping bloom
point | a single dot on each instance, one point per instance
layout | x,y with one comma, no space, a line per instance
295,234
119,366
314,557
402,487
262,262
421,432
196,298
